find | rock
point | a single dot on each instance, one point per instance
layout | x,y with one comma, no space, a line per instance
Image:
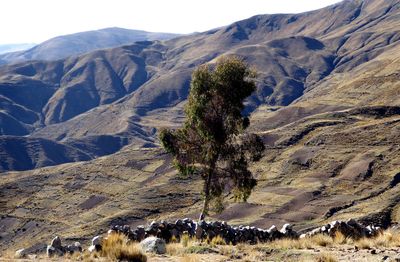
178,222
51,251
199,230
20,253
153,245
75,248
32,256
55,248
111,231
96,244
56,243
140,233
287,231
96,241
92,249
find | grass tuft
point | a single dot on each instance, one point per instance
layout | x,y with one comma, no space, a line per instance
118,247
387,239
218,240
322,240
185,240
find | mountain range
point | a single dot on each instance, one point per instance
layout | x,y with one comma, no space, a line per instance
113,94
79,43
327,108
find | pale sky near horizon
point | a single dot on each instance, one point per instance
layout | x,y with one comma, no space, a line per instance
34,21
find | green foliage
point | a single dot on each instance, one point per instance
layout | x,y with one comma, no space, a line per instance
212,142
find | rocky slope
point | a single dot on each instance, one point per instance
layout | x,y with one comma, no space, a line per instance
121,91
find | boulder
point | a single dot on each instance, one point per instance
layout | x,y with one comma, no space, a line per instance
56,242
51,251
153,245
96,241
55,248
140,233
96,244
20,253
92,249
287,231
75,248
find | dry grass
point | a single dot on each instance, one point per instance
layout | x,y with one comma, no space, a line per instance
185,240
341,239
218,240
319,240
325,257
189,245
388,238
175,249
118,247
190,258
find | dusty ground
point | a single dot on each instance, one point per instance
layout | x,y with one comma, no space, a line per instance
265,253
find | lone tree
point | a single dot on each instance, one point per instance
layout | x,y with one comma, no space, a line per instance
212,142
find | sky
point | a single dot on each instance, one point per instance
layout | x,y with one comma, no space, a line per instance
34,21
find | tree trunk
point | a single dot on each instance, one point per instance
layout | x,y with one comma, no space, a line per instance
206,196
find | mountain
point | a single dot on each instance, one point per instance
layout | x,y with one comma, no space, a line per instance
79,43
327,108
15,47
122,91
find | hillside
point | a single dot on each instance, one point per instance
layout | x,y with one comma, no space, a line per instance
126,87
327,107
74,44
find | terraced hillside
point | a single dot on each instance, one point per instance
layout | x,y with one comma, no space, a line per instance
329,166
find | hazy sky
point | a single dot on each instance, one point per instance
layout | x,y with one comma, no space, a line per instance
38,20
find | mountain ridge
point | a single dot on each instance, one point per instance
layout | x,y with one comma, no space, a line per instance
64,46
127,83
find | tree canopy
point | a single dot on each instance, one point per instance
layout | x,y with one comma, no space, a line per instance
212,142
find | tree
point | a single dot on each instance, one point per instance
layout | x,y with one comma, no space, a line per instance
212,142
